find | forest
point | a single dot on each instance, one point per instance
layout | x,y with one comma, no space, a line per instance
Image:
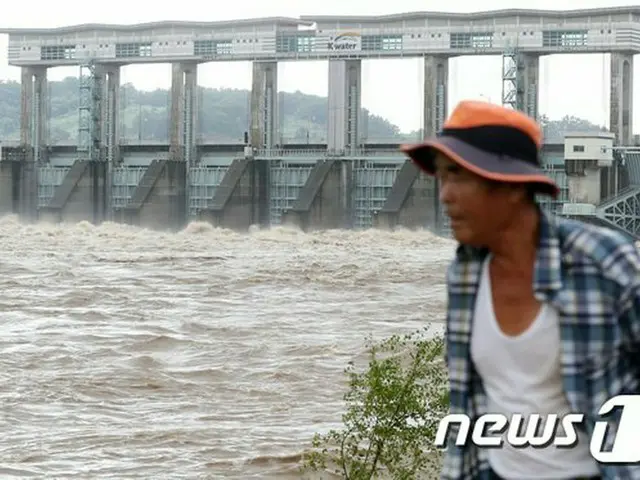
224,116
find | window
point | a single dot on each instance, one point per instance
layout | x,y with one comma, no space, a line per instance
471,40
481,40
224,48
564,38
212,47
130,50
203,47
14,52
306,44
292,43
58,52
578,148
373,43
392,43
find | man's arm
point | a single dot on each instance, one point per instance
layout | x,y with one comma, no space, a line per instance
627,271
459,462
629,320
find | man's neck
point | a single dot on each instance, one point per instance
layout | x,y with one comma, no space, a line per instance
515,246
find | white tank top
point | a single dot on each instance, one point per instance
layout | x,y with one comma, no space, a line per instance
521,374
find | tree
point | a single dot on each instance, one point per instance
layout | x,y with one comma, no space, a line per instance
555,130
392,413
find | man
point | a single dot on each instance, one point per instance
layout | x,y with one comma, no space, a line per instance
543,312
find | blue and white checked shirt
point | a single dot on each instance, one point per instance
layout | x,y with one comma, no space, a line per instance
592,276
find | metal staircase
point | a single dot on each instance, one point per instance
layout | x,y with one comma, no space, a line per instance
623,210
89,112
510,79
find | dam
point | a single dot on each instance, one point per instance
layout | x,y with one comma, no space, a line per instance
230,187
345,183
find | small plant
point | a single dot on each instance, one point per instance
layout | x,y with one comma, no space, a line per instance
392,414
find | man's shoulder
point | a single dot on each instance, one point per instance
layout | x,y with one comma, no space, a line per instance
596,241
602,247
466,263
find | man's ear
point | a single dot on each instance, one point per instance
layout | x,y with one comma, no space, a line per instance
517,193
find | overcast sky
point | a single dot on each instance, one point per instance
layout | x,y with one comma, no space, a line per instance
570,84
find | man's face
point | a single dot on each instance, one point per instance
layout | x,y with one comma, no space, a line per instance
479,210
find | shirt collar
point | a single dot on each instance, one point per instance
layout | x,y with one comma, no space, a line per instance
547,274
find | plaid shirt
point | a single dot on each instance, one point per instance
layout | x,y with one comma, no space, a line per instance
592,276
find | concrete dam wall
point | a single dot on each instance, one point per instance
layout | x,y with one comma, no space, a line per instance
310,194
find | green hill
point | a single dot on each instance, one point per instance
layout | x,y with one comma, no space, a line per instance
224,116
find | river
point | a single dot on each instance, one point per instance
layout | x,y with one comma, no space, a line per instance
128,353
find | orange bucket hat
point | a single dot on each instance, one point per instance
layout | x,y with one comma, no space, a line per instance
494,142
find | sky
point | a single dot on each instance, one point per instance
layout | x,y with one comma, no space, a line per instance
570,84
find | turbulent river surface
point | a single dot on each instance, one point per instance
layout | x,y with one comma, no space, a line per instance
128,353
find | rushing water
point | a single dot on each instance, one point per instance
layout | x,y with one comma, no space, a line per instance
127,353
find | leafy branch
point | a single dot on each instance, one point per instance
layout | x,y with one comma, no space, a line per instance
392,412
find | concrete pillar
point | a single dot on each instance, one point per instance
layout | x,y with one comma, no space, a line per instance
191,115
621,98
347,194
111,113
528,82
184,112
34,108
108,78
344,116
176,102
264,106
183,121
33,137
264,129
436,79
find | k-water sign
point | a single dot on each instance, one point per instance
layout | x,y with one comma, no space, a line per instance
347,41
488,431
